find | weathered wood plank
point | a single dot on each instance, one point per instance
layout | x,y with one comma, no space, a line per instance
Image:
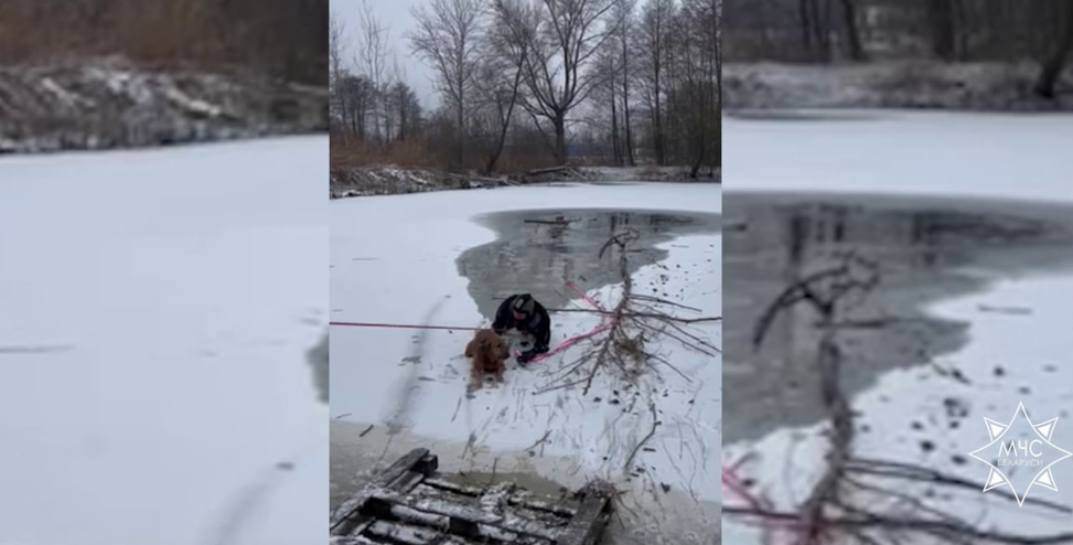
468,519
407,504
351,540
348,515
564,508
592,517
403,533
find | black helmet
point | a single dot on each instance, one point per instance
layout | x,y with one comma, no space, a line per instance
523,304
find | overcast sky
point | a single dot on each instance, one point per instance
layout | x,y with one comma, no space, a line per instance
394,14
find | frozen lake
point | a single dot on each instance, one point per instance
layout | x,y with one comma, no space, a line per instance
998,155
159,309
966,218
447,259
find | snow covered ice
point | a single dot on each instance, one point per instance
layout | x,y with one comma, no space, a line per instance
998,155
159,308
980,304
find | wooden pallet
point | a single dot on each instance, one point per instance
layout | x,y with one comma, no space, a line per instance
409,504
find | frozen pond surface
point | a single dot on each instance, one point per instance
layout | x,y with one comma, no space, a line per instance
539,250
943,154
450,258
967,320
926,249
159,308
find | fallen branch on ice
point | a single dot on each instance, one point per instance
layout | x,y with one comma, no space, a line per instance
620,341
857,500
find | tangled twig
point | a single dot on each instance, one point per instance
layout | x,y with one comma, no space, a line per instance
628,326
641,443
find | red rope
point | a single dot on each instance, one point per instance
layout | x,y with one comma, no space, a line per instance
401,326
603,326
570,342
737,486
577,291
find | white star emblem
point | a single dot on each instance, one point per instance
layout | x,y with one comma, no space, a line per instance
1005,450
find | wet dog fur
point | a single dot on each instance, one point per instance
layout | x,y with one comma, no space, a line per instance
489,353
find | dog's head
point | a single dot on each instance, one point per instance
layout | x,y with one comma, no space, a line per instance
492,344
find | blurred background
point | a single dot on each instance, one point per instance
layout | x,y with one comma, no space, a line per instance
898,237
163,348
979,54
114,73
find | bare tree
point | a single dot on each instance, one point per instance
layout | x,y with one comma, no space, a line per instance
448,36
699,83
717,61
503,63
623,15
601,124
336,105
355,94
853,34
564,36
1056,61
654,34
404,111
943,19
372,61
336,48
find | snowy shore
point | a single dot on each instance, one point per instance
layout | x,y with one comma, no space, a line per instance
110,103
889,84
367,181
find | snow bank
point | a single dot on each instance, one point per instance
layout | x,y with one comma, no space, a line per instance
365,181
109,103
158,311
890,84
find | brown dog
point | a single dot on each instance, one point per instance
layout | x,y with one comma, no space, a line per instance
489,353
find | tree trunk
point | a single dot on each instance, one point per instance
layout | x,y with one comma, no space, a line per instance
616,150
806,24
626,102
461,138
942,25
961,29
560,138
849,13
658,122
491,166
821,16
1053,66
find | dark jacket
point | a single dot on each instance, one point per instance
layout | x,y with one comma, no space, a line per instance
536,323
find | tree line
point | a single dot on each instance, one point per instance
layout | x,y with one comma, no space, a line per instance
619,82
945,30
279,38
